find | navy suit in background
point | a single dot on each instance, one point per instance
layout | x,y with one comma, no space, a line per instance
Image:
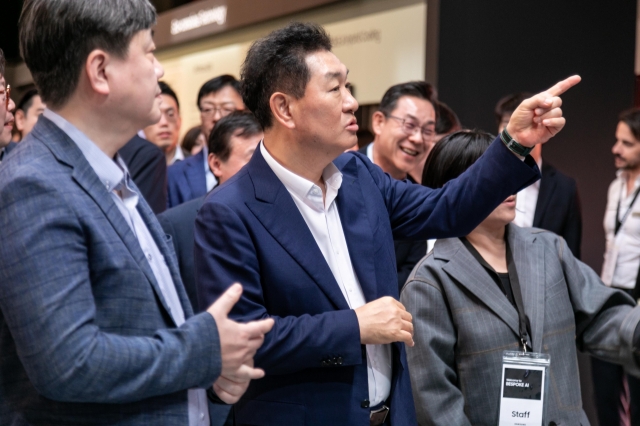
558,207
186,180
147,166
85,333
250,231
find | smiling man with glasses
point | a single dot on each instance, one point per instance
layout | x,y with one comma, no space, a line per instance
404,129
192,178
6,112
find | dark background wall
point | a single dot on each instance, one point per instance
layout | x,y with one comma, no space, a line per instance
492,48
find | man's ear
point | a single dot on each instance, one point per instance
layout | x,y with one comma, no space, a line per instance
282,108
378,121
19,119
214,165
97,71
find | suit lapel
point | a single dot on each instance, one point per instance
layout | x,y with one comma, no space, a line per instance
195,176
278,213
547,187
357,230
466,270
66,151
528,257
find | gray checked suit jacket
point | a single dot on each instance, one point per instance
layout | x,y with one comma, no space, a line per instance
85,334
463,322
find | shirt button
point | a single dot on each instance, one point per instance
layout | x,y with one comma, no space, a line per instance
201,416
149,257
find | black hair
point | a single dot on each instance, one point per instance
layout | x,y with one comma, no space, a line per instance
56,37
190,138
27,100
447,121
417,89
2,62
508,104
216,84
219,142
454,154
165,89
631,118
277,63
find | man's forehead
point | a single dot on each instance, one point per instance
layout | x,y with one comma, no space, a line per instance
326,64
417,108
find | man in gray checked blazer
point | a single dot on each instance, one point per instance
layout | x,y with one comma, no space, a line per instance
463,322
95,324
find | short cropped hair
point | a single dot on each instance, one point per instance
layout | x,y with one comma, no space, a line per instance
508,104
454,154
56,37
447,121
219,142
2,62
216,84
165,89
416,89
631,118
277,63
27,100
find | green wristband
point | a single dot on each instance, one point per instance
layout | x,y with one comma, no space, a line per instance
513,145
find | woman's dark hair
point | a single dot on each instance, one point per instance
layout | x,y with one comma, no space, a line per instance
454,154
277,63
190,139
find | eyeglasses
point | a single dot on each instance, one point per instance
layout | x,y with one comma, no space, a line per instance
7,96
428,132
224,110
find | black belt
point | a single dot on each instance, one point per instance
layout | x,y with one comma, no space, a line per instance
379,414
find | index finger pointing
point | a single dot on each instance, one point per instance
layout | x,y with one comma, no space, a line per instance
564,85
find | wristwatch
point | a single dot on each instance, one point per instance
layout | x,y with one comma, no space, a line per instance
513,145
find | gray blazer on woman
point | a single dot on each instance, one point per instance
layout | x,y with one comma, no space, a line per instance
463,322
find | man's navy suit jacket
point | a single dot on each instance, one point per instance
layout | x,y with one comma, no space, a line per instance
249,230
85,332
186,180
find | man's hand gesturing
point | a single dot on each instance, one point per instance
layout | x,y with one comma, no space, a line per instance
384,321
238,344
539,118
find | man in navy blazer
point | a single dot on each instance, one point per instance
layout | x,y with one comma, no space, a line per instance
309,232
192,178
95,324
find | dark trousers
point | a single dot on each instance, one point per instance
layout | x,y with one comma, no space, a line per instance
607,386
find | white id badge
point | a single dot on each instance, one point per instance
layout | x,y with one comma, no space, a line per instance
524,388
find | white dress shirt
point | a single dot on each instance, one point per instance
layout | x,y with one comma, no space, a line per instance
323,221
526,202
622,255
211,179
178,155
115,177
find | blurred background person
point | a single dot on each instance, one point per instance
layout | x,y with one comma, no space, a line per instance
193,178
552,203
6,115
192,142
28,110
166,132
473,297
447,122
621,268
404,128
230,148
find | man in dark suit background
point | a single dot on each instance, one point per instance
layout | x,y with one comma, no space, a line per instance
230,145
148,169
6,115
552,203
404,132
192,178
95,325
309,230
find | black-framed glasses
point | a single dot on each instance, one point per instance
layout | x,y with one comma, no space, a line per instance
7,96
224,110
428,131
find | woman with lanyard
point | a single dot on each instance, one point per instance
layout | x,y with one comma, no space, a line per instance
504,288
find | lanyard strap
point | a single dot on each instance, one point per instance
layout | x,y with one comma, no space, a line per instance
619,221
525,339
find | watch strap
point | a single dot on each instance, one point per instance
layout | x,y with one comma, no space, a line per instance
513,145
